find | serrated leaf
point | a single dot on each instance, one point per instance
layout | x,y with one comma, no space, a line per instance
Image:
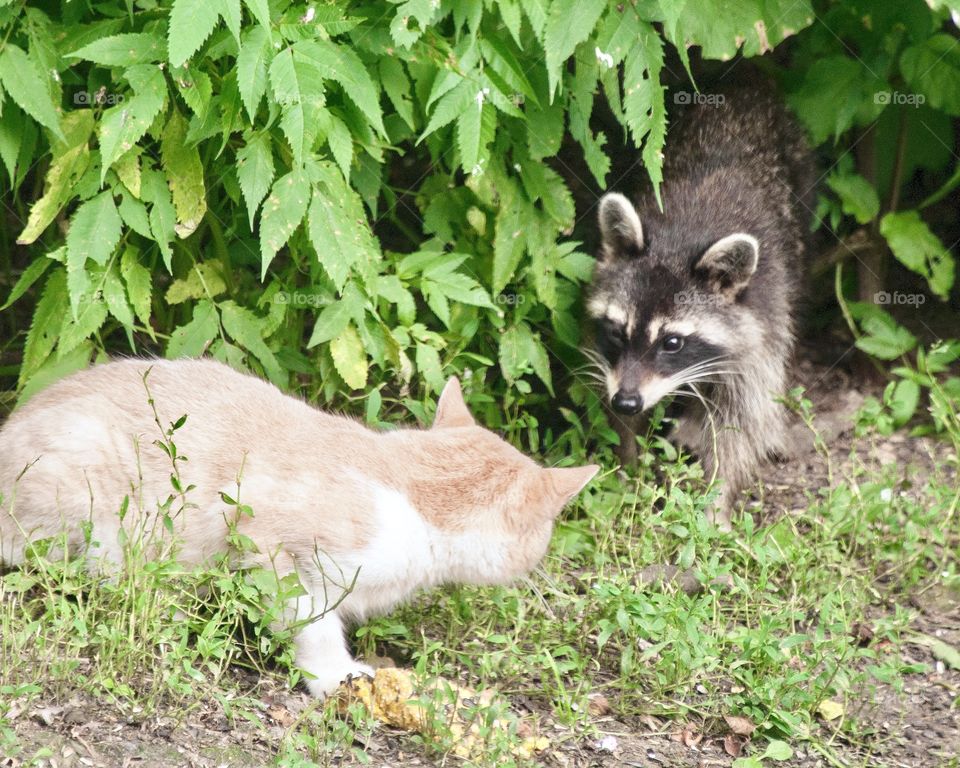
93,234
420,12
397,85
643,100
163,216
247,330
885,339
124,125
123,50
90,316
282,213
475,129
115,297
253,61
11,137
255,172
184,175
341,145
139,286
260,11
232,16
429,366
55,369
70,161
127,169
350,358
337,227
341,64
27,278
451,106
192,339
508,241
27,86
191,23
336,315
45,325
721,28
569,23
298,88
919,249
202,281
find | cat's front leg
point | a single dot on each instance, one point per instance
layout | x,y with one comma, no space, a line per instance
322,651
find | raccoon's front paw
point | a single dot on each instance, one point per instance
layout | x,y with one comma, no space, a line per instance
326,681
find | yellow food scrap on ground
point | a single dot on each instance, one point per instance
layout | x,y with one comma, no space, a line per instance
394,698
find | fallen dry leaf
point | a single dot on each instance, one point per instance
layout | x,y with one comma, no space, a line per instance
733,744
598,705
742,726
394,697
690,737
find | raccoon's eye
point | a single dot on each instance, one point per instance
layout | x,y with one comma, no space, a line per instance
617,333
672,344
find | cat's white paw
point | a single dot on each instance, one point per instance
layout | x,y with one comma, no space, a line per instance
326,681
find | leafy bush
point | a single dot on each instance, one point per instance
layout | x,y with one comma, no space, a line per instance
373,196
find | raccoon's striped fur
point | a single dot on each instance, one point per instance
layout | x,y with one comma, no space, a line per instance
698,300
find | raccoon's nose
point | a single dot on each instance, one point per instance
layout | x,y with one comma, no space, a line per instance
629,404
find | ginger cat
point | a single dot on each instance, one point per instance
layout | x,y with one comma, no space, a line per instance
400,510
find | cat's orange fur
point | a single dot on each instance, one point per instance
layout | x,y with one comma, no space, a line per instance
399,510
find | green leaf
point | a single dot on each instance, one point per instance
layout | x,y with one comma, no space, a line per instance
162,214
232,15
837,93
643,100
721,27
282,213
28,87
338,228
918,249
778,750
429,366
475,129
191,23
11,137
184,175
569,23
341,64
341,145
123,50
68,165
255,171
90,316
397,85
124,125
260,11
933,69
27,278
192,339
139,287
45,325
202,281
451,106
115,298
298,88
247,330
253,61
885,339
904,399
858,197
350,358
336,315
418,12
54,370
508,241
93,234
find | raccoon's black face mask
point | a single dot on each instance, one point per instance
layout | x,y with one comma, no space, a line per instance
664,308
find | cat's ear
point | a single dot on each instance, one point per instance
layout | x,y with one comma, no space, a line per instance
451,410
567,482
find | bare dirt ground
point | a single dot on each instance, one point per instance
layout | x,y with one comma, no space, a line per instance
916,727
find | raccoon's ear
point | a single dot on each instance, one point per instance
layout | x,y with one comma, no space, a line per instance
451,409
730,262
620,229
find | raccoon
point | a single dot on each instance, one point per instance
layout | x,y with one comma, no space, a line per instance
697,300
